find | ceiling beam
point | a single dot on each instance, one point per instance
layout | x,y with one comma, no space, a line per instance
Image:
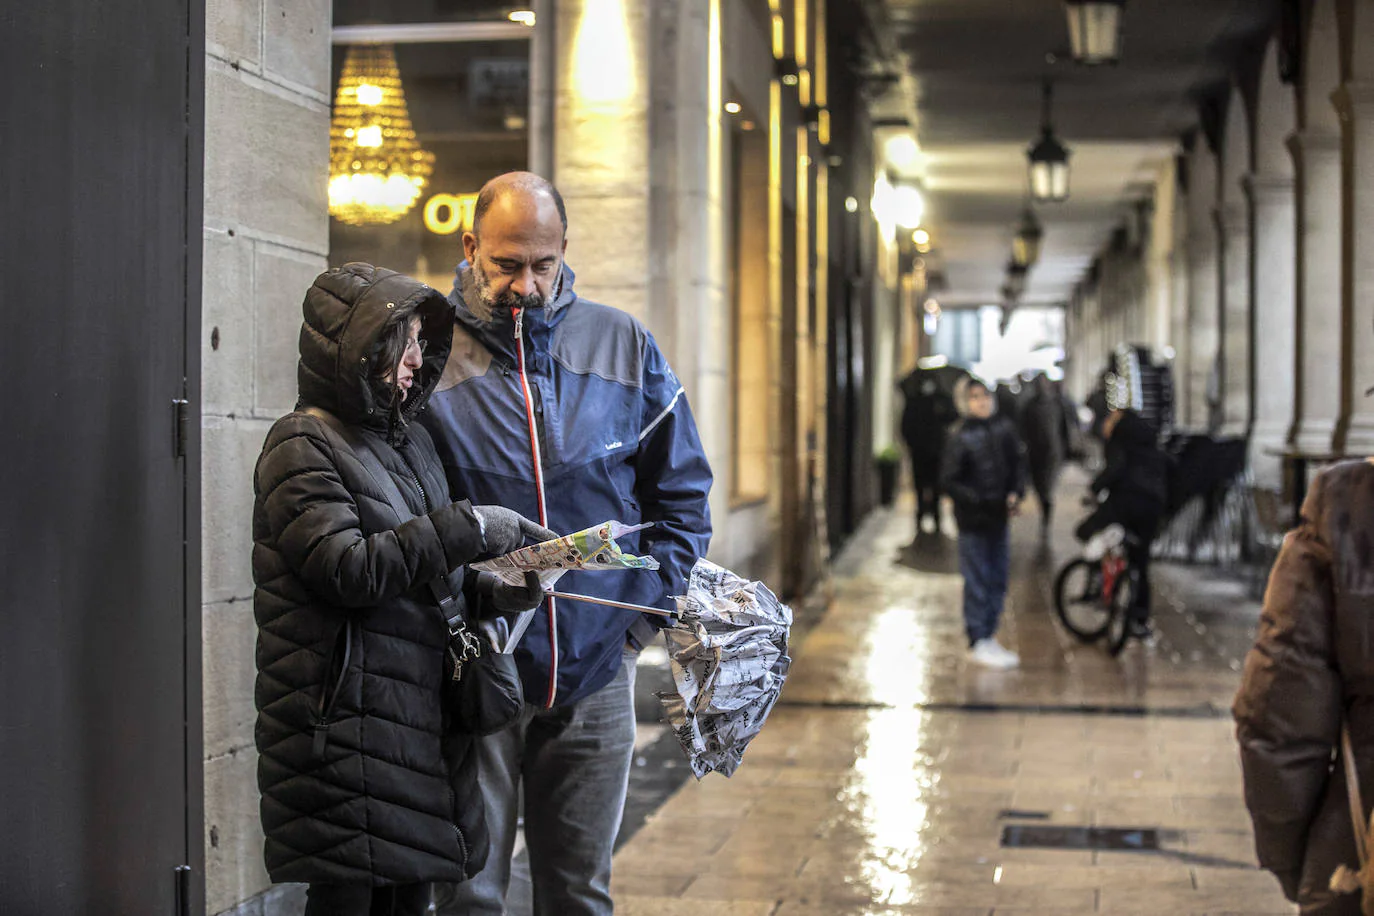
431,33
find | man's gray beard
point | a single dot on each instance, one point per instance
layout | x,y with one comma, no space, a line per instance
477,295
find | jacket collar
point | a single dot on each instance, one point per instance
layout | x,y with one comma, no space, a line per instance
497,332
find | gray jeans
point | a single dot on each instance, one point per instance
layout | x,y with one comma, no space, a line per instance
575,761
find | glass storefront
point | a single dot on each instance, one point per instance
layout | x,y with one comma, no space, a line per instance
469,104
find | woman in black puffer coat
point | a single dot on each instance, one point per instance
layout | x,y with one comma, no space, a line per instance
355,779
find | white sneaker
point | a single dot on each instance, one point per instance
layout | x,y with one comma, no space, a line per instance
989,653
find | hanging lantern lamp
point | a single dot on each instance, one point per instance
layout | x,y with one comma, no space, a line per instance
1049,160
1025,247
376,166
1095,30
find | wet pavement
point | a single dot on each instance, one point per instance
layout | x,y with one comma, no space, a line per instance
895,778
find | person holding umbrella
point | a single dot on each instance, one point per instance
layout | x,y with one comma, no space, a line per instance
927,413
566,410
1044,432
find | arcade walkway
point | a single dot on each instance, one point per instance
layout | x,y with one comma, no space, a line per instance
893,778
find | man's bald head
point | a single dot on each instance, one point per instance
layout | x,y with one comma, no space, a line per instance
515,249
521,190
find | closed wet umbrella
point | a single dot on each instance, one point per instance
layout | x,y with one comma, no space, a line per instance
729,660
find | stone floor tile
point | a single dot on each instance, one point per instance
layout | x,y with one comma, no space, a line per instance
1094,876
796,908
633,905
1138,899
647,881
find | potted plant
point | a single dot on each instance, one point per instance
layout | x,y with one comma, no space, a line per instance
888,461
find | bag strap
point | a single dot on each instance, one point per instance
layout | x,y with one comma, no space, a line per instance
1352,794
449,603
362,450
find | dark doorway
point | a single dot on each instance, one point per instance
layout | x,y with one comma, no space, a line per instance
100,730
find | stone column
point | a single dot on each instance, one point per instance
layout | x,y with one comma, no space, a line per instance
1204,327
601,165
266,237
1233,226
1355,102
543,51
1275,320
1317,162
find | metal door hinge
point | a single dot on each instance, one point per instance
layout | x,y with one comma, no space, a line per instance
180,407
183,879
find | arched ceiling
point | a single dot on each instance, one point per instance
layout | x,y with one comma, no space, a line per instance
977,67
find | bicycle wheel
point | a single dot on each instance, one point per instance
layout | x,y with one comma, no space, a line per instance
1122,604
1078,600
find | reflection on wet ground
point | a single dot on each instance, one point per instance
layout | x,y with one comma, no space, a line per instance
893,777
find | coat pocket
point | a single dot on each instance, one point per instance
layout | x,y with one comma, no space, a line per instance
331,685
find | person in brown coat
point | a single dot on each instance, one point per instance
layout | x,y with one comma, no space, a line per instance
1312,669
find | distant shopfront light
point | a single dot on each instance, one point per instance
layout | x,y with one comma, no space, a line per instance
376,166
902,150
1049,160
524,17
1095,30
896,205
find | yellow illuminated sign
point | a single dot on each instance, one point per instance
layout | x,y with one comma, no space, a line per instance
446,214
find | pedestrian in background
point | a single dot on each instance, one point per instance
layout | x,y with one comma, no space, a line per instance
983,474
1044,428
927,413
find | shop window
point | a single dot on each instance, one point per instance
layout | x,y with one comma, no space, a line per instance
469,105
751,377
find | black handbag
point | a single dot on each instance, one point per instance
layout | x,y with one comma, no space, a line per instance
482,689
482,693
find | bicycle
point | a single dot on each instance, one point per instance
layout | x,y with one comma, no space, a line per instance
1094,594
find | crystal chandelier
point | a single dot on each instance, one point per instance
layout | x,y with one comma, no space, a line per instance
376,168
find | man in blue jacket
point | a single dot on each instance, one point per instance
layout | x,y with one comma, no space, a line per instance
566,411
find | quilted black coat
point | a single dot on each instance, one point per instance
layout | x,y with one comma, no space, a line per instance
354,780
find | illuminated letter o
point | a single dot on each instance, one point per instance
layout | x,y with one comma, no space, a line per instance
452,223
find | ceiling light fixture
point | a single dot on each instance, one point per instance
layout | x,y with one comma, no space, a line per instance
1095,30
377,168
1015,286
1025,247
733,107
1049,159
524,17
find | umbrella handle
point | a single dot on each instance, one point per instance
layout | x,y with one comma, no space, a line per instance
624,606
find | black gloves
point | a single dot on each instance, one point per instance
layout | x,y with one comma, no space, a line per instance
504,530
496,597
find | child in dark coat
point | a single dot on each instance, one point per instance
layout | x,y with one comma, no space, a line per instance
983,473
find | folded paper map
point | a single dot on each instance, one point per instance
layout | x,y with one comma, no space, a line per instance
590,549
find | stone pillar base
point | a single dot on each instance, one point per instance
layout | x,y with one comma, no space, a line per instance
1269,436
1316,434
1359,438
